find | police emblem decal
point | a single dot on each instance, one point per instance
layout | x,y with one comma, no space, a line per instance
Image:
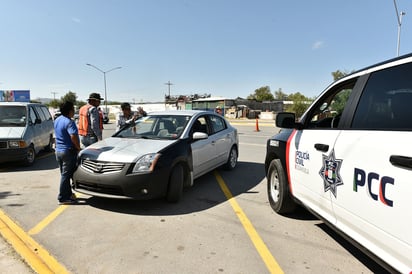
330,172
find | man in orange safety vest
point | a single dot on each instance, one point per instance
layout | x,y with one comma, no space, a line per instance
90,124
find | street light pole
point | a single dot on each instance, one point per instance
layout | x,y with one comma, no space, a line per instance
399,17
104,77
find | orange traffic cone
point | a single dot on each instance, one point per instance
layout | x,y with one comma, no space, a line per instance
257,125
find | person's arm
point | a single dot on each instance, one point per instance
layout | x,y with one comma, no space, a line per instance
95,122
75,141
74,135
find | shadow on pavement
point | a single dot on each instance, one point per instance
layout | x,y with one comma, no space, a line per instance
204,194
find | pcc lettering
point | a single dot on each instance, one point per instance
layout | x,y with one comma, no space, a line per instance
361,179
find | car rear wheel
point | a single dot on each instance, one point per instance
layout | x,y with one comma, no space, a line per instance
232,160
175,188
30,156
278,189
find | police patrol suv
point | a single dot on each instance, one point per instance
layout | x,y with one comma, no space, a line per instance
349,160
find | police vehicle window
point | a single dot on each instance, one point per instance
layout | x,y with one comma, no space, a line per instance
218,123
386,100
329,110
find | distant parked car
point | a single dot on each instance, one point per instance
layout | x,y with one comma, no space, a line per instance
105,118
57,113
25,129
157,156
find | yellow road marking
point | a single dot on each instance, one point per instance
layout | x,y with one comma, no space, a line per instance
46,221
33,253
260,246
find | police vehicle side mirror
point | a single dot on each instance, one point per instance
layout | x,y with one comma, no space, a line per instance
285,120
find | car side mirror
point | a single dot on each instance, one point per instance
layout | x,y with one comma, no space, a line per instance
199,136
285,120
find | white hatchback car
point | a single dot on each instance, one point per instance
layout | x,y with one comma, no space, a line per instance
349,160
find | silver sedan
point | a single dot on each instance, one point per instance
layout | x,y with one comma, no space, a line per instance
157,155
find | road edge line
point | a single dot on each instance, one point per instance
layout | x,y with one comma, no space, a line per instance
38,258
267,257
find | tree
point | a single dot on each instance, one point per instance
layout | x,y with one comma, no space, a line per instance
300,103
340,74
55,103
261,94
69,97
280,95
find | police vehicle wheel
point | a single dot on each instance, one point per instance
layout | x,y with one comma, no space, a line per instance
232,160
175,188
278,189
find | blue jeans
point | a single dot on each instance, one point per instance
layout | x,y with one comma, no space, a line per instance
67,163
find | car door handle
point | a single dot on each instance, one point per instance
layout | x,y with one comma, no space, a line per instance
401,161
322,147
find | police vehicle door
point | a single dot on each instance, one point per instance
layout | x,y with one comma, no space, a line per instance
375,204
313,166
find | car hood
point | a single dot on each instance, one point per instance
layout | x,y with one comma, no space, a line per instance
11,132
123,150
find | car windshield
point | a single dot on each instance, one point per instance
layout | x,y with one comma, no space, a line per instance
15,116
166,127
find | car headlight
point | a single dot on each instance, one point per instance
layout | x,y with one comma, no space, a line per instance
17,144
146,163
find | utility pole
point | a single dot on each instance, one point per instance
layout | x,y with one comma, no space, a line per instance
169,84
54,94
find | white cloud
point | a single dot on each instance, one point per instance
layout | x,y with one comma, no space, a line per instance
75,19
318,45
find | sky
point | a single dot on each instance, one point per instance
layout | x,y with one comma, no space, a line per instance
225,48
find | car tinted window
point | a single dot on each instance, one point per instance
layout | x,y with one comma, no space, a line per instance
46,113
13,116
200,125
40,113
218,123
386,100
32,115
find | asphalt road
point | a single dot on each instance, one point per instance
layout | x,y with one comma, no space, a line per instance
223,224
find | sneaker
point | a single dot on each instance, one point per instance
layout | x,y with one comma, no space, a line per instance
68,202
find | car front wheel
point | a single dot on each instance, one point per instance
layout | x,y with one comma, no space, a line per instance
30,156
175,188
278,189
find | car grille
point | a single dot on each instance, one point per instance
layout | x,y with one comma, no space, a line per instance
101,167
99,188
